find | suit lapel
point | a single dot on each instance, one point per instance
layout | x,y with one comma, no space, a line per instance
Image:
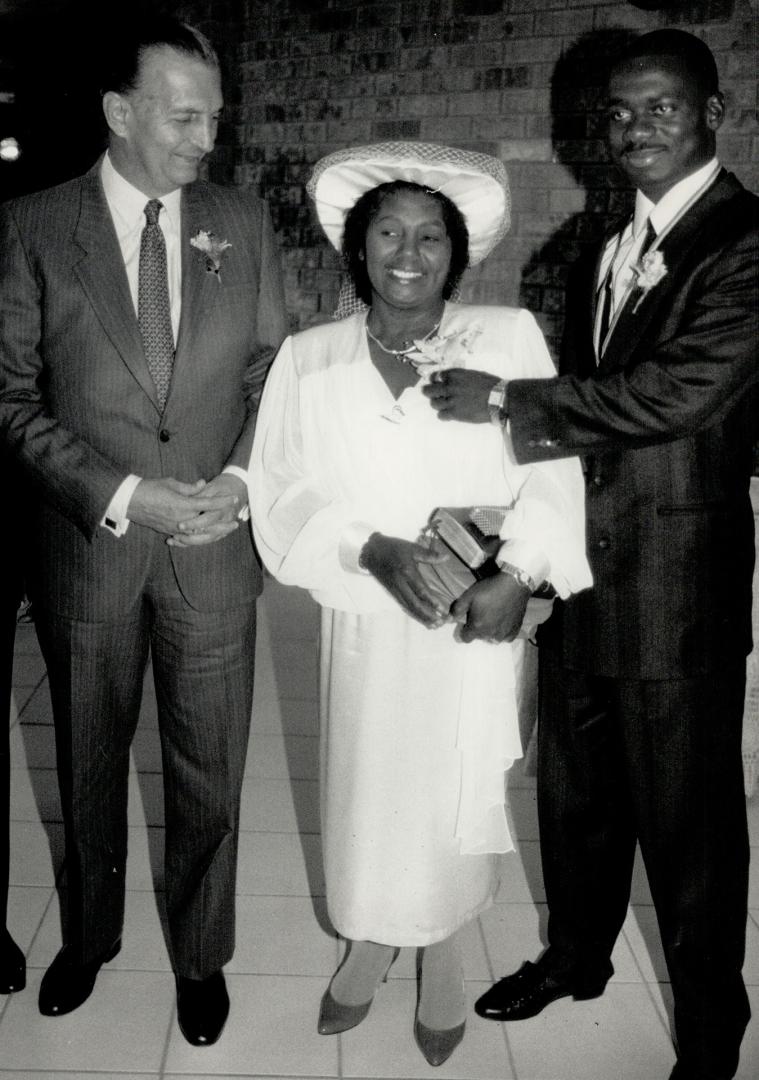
103,277
197,214
642,309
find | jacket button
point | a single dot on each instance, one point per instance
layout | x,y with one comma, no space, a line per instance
604,543
164,436
598,480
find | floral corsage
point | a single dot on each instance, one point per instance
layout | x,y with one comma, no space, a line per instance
442,351
212,248
650,271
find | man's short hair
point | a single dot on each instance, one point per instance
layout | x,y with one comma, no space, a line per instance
691,53
122,64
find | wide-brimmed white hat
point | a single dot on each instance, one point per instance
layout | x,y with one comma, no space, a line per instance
476,183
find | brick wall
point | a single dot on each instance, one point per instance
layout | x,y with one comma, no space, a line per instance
514,78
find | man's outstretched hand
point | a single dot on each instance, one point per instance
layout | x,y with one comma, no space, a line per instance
458,394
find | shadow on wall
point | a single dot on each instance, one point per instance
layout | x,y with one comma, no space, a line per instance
577,135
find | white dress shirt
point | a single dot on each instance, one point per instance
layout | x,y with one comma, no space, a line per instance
127,206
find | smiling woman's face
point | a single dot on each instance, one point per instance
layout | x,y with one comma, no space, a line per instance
408,251
661,128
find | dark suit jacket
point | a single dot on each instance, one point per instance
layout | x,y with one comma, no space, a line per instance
77,404
665,424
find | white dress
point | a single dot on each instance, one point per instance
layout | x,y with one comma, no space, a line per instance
417,728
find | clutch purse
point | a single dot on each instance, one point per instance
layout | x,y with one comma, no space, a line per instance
469,538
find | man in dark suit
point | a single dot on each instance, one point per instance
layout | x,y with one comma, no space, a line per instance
139,308
642,677
12,960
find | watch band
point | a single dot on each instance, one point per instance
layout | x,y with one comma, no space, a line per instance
497,402
516,572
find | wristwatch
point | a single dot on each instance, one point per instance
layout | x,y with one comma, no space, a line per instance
497,403
520,575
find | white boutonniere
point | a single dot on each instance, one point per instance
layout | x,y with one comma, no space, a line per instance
650,270
444,350
212,248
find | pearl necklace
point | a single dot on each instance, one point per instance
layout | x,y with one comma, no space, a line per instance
404,355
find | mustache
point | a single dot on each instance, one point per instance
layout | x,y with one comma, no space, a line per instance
633,147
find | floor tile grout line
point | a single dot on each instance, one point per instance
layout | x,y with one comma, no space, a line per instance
492,979
649,990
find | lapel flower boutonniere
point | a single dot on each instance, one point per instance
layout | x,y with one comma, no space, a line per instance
650,270
212,248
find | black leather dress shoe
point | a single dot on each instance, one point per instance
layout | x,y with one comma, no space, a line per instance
66,984
12,965
527,992
202,1008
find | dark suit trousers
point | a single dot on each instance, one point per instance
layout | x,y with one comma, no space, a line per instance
658,762
10,595
203,673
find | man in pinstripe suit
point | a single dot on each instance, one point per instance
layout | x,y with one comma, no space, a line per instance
139,472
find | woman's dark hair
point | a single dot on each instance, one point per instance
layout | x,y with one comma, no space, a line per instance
122,68
363,212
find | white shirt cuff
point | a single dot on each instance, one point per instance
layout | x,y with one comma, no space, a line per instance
115,517
234,470
524,556
351,543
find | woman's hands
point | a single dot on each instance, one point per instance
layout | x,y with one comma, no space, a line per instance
395,564
492,609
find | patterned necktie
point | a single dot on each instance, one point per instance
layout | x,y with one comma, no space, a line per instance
153,307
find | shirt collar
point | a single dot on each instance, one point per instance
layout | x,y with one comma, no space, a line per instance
664,212
127,203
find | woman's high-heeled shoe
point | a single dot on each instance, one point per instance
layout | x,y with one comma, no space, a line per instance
12,965
335,1017
437,1046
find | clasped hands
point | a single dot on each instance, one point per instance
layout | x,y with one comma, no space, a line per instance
460,394
189,514
490,610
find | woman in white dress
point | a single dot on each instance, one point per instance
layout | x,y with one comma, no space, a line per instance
418,723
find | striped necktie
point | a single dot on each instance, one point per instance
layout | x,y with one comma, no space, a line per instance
153,306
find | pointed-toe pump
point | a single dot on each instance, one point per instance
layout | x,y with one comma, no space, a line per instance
335,1017
437,1046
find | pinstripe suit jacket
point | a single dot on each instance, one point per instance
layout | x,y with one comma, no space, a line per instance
77,404
666,425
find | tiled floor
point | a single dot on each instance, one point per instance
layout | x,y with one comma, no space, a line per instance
285,950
